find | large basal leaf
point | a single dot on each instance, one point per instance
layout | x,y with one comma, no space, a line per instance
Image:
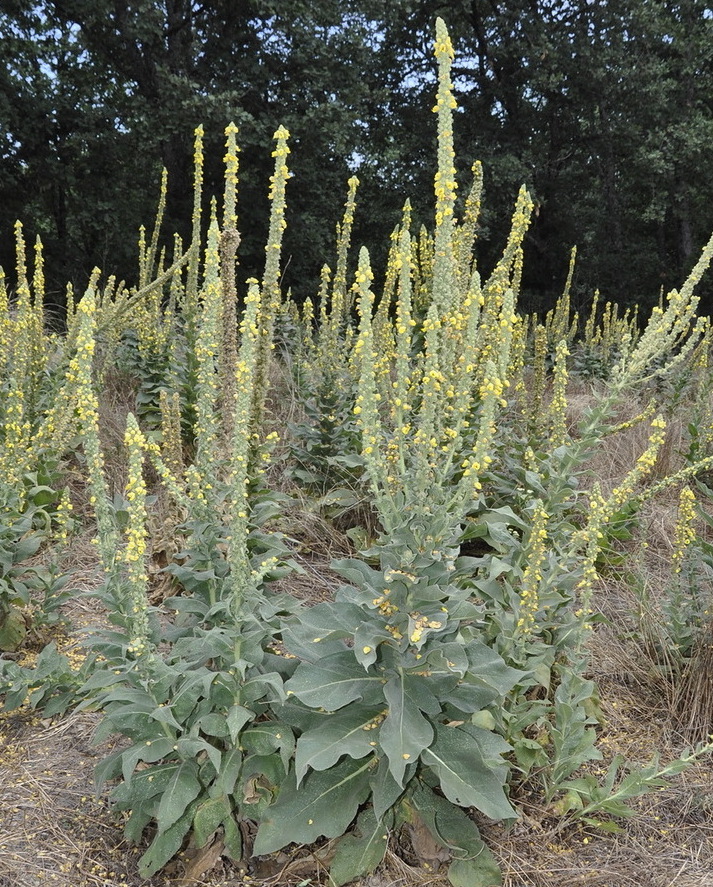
145,784
12,630
209,817
166,844
473,864
385,791
359,573
149,751
489,667
183,788
320,630
324,805
229,771
333,682
349,731
405,733
360,852
232,839
470,769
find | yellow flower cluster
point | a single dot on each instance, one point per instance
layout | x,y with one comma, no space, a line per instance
64,517
644,464
532,575
15,453
418,624
230,216
198,161
558,404
171,443
589,537
207,348
685,533
136,533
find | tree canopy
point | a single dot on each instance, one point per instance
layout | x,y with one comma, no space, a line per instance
605,111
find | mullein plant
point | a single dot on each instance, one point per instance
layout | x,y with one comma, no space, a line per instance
196,697
325,444
414,675
229,243
271,296
86,407
429,419
419,690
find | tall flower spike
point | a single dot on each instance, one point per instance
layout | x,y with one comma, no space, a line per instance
229,243
466,233
245,378
558,404
445,179
340,296
148,255
685,533
5,324
207,352
532,575
190,296
278,181
491,391
404,328
270,296
79,375
230,215
134,602
644,466
366,407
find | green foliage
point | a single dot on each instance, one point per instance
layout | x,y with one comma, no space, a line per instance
27,521
450,669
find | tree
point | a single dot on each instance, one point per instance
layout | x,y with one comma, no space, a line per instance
604,110
116,89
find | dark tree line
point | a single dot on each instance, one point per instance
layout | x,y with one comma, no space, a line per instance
604,109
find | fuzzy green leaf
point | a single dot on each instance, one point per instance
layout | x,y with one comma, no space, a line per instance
233,839
359,573
229,771
324,805
385,791
405,733
360,852
149,751
473,864
183,788
208,818
144,785
333,682
236,719
470,769
166,844
12,630
321,630
347,732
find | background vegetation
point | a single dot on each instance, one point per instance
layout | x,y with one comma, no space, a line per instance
604,111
